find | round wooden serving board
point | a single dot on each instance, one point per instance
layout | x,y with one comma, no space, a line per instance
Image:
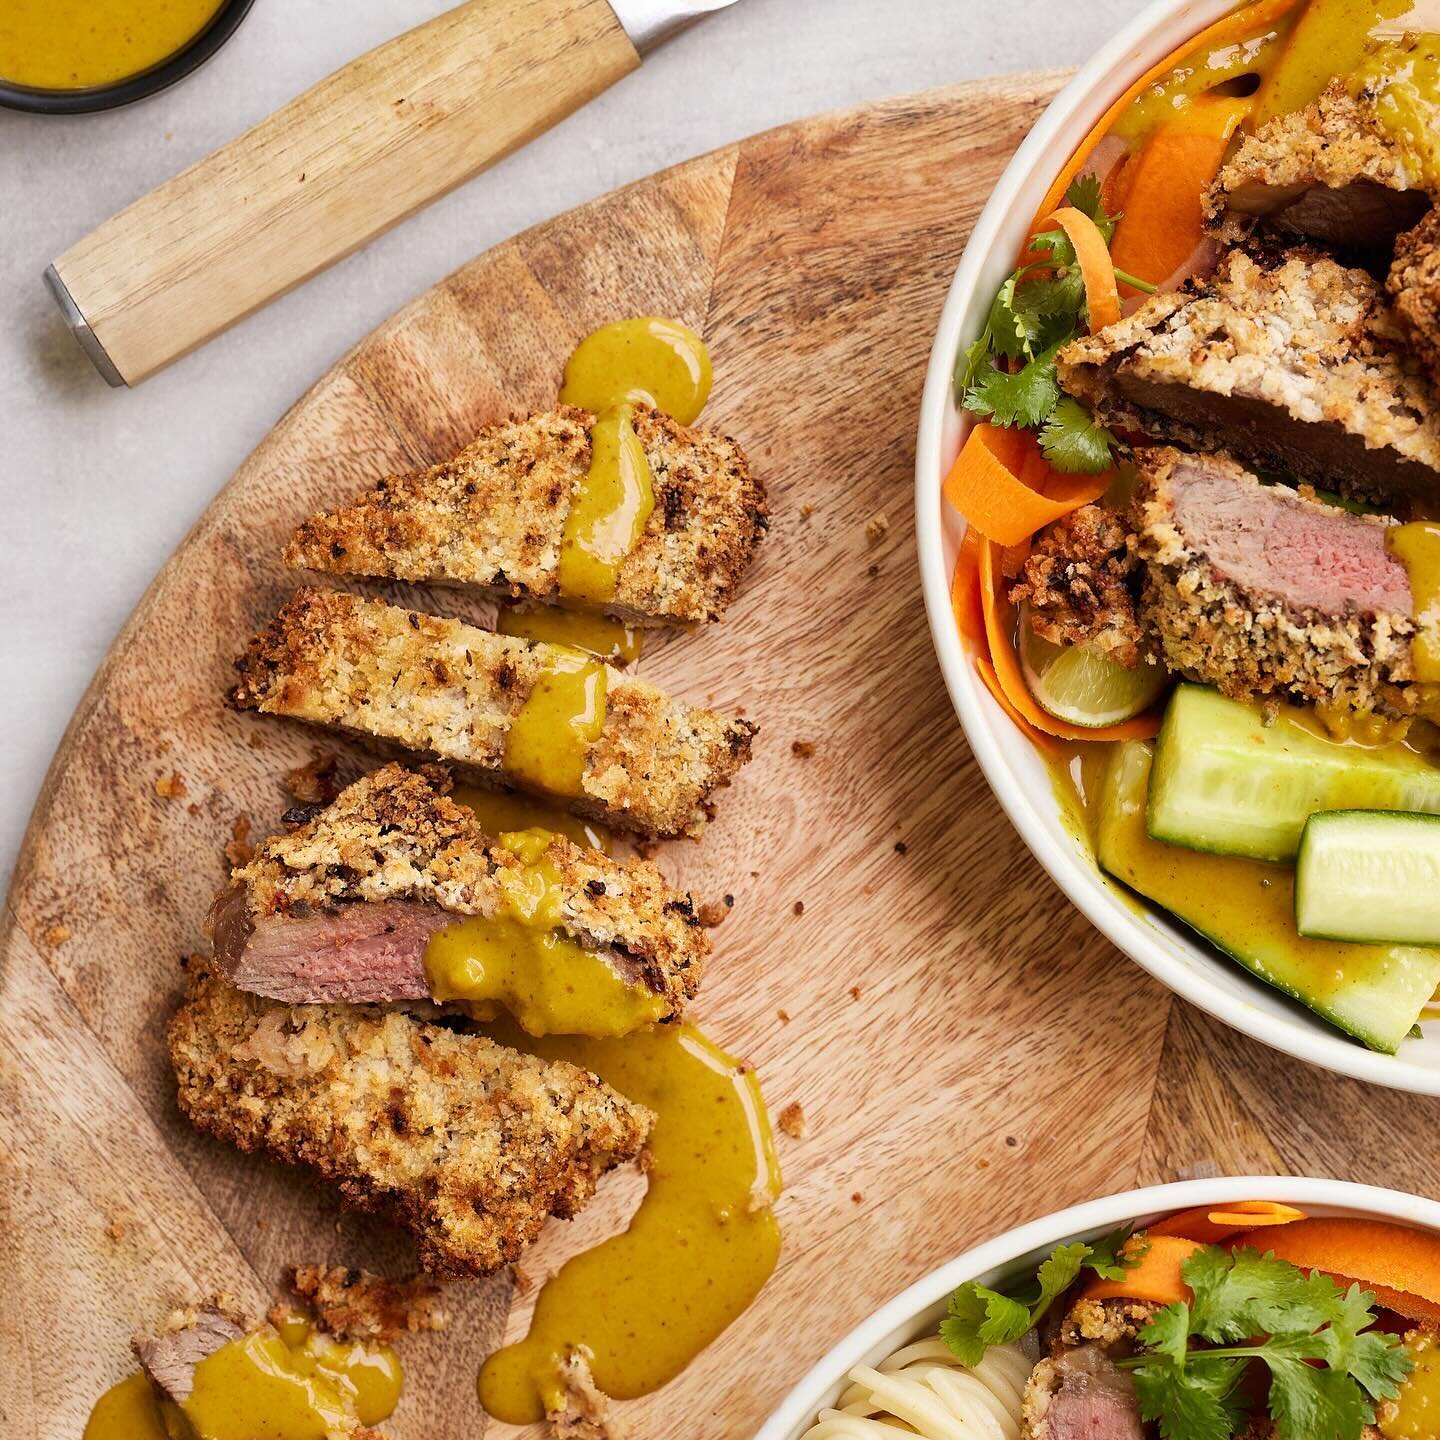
968,1052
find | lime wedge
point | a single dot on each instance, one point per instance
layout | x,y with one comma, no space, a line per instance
1081,685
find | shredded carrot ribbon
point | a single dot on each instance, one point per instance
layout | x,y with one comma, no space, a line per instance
1155,1276
1097,269
1210,1225
1226,31
990,484
1165,184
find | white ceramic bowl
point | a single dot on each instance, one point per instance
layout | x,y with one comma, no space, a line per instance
916,1312
1015,771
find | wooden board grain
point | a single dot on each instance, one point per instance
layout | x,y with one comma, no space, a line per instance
968,1052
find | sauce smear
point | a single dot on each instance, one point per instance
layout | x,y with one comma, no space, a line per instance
601,635
289,1384
77,44
1417,547
642,1305
562,716
520,958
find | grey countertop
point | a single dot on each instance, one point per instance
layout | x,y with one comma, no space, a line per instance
101,485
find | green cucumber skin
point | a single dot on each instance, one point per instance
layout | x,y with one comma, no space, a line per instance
1382,1038
1283,836
1381,819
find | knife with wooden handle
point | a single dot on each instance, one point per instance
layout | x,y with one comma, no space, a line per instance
372,143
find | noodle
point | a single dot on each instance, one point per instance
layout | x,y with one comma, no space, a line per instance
926,1390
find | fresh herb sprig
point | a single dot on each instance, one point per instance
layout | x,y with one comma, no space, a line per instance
1326,1365
980,1318
1008,374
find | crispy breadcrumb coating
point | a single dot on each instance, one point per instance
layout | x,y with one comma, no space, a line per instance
468,1145
493,518
396,835
451,690
1254,645
1078,584
356,1305
1414,286
1298,367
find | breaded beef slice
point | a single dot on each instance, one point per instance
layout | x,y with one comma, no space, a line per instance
1297,367
467,1144
1327,173
343,907
1260,590
1078,1392
453,691
1414,286
493,518
170,1356
1079,584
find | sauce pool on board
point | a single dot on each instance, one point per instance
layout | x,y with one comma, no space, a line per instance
78,44
288,1384
641,1305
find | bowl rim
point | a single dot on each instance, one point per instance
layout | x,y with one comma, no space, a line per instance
160,76
886,1329
1094,86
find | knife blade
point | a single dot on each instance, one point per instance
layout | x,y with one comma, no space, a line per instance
359,152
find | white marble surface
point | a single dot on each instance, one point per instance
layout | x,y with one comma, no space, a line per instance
100,485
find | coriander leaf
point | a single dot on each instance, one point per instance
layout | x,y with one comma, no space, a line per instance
1057,1274
1195,1402
1024,398
1057,243
1084,195
1379,1362
1053,295
960,1330
1244,1294
1167,1332
1110,1259
980,1318
1012,331
1074,442
1307,1403
974,358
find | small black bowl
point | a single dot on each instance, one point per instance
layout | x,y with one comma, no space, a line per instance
191,56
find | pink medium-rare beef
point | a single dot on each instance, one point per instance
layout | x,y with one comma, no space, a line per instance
1080,1394
1270,540
1263,591
358,954
170,1357
342,908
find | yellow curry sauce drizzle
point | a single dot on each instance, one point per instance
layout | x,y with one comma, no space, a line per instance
1415,1413
649,361
521,959
76,44
1417,547
641,1305
287,1384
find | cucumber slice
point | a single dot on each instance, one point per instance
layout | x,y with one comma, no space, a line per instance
1226,782
1246,908
1370,875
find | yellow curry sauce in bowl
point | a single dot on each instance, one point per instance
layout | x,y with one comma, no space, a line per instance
65,57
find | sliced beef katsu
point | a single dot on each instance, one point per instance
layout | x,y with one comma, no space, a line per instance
467,1144
453,691
1296,367
1261,590
169,1357
343,908
1327,173
493,518
1078,1392
1079,584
